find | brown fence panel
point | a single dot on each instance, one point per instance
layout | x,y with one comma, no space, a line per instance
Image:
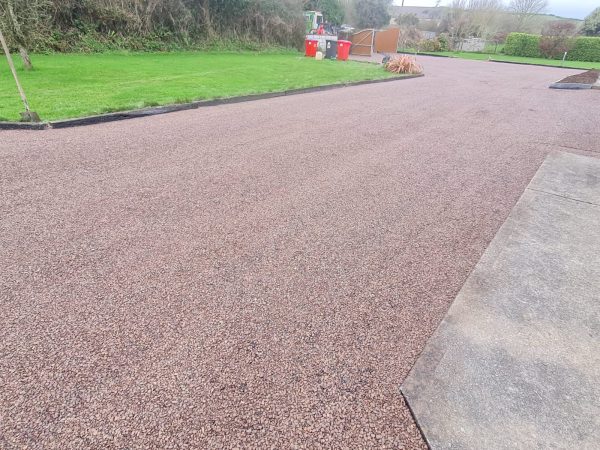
386,41
362,43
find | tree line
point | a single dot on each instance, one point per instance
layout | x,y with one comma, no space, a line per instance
493,20
97,25
89,25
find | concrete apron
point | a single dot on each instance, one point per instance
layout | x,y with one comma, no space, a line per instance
516,361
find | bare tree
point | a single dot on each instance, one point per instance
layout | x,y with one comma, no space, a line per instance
479,18
458,21
526,9
19,36
485,17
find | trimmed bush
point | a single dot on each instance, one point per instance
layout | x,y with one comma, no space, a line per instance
585,49
523,44
582,48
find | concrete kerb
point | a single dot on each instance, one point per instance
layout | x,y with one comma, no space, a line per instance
478,376
124,115
427,54
414,417
571,86
575,86
498,61
23,126
538,65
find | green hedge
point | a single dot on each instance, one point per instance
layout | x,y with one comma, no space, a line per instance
522,44
582,48
585,49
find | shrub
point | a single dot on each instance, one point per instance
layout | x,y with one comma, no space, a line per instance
500,37
557,38
430,45
100,25
409,37
581,48
403,64
554,47
522,44
443,40
585,49
439,44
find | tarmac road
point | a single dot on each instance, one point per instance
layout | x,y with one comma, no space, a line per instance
261,274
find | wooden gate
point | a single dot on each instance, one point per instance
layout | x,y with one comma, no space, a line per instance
362,43
386,41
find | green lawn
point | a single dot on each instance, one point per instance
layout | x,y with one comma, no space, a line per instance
76,85
519,59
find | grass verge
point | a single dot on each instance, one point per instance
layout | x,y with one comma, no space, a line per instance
516,59
75,85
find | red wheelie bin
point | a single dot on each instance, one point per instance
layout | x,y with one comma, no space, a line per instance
343,50
310,47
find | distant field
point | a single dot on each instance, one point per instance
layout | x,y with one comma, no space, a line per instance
75,85
519,59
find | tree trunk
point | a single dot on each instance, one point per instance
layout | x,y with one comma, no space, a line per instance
25,57
28,115
19,38
205,7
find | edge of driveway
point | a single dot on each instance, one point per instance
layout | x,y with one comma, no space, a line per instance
144,112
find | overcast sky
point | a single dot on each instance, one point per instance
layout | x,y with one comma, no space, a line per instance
566,8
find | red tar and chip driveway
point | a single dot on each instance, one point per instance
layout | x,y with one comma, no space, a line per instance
261,274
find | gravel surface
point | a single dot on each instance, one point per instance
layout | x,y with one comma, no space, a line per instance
253,275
